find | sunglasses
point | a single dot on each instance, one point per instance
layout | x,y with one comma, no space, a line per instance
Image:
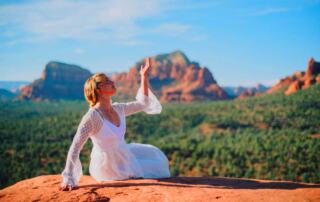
109,82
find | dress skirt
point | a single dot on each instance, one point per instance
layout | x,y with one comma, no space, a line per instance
125,161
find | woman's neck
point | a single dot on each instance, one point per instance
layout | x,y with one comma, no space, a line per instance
104,104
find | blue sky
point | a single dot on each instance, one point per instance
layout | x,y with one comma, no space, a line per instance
241,42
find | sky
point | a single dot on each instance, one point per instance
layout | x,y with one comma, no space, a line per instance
241,42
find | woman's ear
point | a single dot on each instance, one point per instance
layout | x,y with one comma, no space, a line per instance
98,92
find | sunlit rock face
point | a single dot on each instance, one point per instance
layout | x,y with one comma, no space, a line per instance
174,78
58,81
299,80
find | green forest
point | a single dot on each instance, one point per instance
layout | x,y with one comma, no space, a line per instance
263,137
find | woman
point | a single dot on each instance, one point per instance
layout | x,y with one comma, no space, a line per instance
104,124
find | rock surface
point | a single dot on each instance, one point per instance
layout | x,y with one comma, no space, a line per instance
45,188
299,80
173,78
58,81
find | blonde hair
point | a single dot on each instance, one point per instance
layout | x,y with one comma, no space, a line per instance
90,87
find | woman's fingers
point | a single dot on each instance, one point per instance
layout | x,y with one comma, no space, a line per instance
66,187
147,62
144,68
63,188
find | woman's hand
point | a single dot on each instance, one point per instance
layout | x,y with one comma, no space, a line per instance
144,69
67,187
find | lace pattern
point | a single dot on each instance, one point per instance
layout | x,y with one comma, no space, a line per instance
90,124
149,104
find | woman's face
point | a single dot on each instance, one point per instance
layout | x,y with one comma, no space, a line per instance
106,88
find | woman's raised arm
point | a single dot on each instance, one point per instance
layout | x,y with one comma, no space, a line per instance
145,100
144,76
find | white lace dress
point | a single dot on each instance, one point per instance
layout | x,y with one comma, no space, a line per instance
111,157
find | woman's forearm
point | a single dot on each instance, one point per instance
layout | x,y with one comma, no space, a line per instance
144,84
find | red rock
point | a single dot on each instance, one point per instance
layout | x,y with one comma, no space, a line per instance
313,68
315,136
58,81
281,84
173,78
294,87
299,80
45,188
308,82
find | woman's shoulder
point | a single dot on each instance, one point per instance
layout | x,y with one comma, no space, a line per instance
91,113
118,106
91,120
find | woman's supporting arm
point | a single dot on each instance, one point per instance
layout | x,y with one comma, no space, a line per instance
89,125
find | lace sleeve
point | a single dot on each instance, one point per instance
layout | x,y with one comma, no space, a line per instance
149,104
89,125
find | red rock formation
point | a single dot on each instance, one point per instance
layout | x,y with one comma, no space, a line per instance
58,81
45,188
294,87
173,78
313,68
281,84
299,80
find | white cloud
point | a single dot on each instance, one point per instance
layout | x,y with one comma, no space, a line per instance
111,20
45,20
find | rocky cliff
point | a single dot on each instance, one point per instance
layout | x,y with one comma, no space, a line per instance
173,77
58,81
299,80
45,188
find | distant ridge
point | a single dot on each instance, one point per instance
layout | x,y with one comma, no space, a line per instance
13,86
58,81
6,95
242,91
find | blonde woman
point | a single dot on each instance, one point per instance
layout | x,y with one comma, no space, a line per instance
105,124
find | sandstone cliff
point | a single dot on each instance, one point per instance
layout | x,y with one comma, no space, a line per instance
58,81
173,78
299,80
45,188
